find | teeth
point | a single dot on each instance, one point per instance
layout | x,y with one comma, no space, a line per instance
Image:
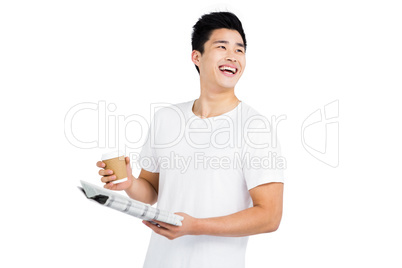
224,68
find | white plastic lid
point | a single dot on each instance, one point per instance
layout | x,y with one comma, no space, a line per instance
112,154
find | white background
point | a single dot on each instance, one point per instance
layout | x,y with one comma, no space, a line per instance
301,56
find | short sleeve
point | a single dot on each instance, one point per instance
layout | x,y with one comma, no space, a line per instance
262,159
148,159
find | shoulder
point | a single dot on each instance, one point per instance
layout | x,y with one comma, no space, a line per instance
248,110
252,117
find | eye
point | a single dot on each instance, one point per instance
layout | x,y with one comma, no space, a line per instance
222,47
239,50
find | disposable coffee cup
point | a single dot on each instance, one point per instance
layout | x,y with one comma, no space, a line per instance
116,161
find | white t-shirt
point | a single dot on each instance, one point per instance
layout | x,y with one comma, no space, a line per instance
206,167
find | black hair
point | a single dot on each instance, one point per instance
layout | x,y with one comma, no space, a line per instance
204,27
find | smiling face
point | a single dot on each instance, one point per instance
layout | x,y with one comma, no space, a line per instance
223,61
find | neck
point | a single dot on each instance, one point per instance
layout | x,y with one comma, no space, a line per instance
213,103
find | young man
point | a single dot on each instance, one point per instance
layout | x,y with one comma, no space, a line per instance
218,186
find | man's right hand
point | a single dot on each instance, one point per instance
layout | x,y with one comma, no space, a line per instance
108,177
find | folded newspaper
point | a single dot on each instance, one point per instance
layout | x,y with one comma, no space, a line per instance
126,205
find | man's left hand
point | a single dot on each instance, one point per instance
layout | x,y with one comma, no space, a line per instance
171,231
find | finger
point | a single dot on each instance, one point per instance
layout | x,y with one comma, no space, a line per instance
164,224
105,172
108,186
156,229
107,179
100,164
152,224
127,160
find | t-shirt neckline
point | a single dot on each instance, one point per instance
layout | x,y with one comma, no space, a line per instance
228,113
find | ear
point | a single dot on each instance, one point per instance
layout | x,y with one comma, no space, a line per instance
195,57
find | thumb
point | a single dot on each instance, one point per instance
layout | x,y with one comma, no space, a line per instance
128,166
127,160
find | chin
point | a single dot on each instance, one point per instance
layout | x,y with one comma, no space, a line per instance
228,85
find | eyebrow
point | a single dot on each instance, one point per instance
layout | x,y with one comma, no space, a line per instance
227,42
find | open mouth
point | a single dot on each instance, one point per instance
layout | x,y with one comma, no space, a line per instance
228,70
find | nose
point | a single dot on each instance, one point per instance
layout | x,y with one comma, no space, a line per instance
231,58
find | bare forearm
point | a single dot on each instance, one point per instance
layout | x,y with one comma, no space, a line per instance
143,191
264,217
251,221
